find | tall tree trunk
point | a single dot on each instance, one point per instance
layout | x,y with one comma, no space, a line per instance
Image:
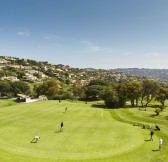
162,102
132,102
142,101
136,102
148,102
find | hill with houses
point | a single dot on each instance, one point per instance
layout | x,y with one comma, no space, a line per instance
155,74
14,69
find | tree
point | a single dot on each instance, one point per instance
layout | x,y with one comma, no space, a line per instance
49,72
100,82
94,89
122,94
133,92
93,92
162,96
20,74
65,92
110,97
4,88
49,87
20,87
79,91
157,111
149,91
14,72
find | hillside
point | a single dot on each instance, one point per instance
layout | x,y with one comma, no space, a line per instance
14,69
156,74
35,71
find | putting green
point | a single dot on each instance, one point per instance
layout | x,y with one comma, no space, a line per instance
89,133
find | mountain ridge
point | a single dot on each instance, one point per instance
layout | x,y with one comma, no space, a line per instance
26,69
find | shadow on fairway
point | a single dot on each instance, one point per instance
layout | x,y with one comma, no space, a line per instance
155,150
153,115
147,140
166,117
33,142
102,106
57,131
99,106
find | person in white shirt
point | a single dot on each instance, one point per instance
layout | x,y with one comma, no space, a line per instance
160,143
35,139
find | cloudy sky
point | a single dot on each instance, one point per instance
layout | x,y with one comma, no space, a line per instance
103,34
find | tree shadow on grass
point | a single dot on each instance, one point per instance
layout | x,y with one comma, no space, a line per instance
147,140
166,117
58,131
155,150
33,142
102,106
153,115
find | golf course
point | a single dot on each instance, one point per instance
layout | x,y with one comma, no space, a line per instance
91,133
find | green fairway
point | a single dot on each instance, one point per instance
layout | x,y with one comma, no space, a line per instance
90,134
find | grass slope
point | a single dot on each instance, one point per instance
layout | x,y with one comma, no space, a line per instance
90,134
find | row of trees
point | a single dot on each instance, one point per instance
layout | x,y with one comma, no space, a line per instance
52,88
114,95
8,88
133,91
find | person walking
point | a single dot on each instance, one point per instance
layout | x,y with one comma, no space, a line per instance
62,127
160,143
151,135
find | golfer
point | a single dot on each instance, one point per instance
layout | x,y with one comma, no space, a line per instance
62,127
66,109
35,140
157,127
151,134
160,143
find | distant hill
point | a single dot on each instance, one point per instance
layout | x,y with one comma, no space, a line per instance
15,69
156,74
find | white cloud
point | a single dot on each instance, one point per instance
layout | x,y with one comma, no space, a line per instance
127,53
92,48
86,42
23,33
58,44
50,36
153,55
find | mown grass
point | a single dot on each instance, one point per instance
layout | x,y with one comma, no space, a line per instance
91,133
7,102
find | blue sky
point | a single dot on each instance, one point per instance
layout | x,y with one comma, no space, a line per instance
104,34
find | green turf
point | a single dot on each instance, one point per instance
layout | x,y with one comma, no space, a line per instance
90,134
7,102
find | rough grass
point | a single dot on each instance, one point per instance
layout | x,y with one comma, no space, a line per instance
91,133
